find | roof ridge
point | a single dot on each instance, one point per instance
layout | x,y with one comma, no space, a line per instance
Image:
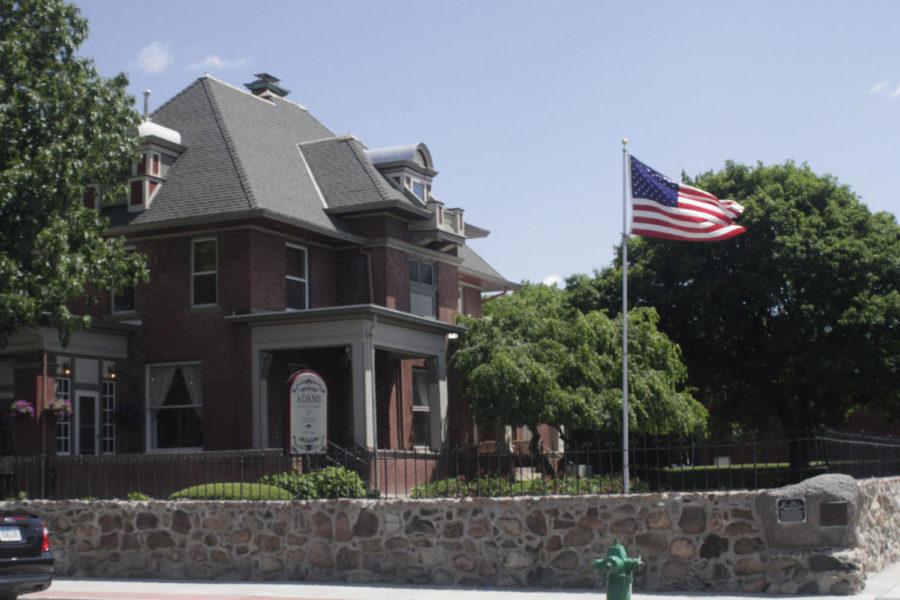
374,175
229,144
333,138
175,97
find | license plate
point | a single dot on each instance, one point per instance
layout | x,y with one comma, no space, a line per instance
10,534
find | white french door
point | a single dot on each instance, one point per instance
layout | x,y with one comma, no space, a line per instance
94,431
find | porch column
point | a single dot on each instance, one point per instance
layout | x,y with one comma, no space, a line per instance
437,367
364,392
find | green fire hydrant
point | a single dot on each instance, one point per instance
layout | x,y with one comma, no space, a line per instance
619,571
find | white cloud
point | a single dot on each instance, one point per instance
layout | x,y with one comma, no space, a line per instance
881,85
896,93
214,61
553,280
155,57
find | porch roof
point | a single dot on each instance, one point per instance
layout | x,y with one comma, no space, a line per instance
366,311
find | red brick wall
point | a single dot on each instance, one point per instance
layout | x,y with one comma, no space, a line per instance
379,226
472,301
447,292
390,278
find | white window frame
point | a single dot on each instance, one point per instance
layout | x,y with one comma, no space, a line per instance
194,243
421,409
107,408
292,278
64,424
151,445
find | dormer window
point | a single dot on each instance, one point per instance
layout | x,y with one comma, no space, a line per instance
140,167
154,163
136,193
418,188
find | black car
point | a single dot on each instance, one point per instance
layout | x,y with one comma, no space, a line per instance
26,563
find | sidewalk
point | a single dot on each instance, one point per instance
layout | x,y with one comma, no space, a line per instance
881,586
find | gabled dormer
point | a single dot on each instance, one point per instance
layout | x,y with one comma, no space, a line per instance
159,147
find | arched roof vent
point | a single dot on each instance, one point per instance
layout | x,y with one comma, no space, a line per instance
416,154
149,129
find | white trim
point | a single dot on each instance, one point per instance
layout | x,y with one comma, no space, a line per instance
148,426
311,176
195,241
302,279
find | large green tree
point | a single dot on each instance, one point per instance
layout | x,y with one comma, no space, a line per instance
794,323
62,126
533,359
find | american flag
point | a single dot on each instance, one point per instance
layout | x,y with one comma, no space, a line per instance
662,208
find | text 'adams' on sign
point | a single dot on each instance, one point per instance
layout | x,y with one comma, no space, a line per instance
308,413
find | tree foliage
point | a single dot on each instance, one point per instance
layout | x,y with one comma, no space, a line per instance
62,125
795,322
532,359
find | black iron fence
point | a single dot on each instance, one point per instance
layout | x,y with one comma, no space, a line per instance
656,464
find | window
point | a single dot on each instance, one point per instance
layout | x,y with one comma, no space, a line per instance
203,272
136,196
154,164
461,308
140,167
296,278
108,417
64,423
174,401
421,288
421,408
89,197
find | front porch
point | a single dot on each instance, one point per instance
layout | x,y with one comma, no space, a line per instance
386,373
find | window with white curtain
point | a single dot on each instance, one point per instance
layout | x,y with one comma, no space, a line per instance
175,403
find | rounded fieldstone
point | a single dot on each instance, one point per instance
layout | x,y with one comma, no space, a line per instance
578,536
509,526
109,522
269,564
342,531
713,546
654,541
419,525
453,530
682,548
181,523
748,545
693,519
347,559
321,525
566,561
160,539
624,526
366,524
536,523
658,520
749,566
740,528
463,562
147,521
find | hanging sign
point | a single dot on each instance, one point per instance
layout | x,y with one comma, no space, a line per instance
308,413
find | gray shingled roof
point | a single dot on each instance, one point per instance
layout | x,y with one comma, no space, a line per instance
474,264
242,155
347,178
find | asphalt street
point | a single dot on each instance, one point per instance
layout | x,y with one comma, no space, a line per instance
881,586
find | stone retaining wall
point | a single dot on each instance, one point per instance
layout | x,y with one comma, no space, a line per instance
689,541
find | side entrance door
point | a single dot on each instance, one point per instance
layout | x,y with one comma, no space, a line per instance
87,422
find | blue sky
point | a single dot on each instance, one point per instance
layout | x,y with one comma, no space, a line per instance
523,103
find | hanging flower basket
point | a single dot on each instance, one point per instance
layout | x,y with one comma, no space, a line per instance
60,409
21,409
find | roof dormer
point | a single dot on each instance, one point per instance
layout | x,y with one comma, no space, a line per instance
409,167
159,148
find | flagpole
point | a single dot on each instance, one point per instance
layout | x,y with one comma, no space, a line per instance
625,483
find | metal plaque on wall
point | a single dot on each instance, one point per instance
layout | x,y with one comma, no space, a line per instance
791,510
308,413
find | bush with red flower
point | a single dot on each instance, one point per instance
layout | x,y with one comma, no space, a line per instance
22,409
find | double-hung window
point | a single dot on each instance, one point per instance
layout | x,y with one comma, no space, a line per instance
421,288
204,272
63,421
421,408
297,277
174,403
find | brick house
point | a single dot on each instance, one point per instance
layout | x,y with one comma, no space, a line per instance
273,245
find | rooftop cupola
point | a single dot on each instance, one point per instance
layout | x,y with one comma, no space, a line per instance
159,147
266,85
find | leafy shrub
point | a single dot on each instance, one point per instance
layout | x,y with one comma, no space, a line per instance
137,496
20,497
499,485
232,491
330,482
